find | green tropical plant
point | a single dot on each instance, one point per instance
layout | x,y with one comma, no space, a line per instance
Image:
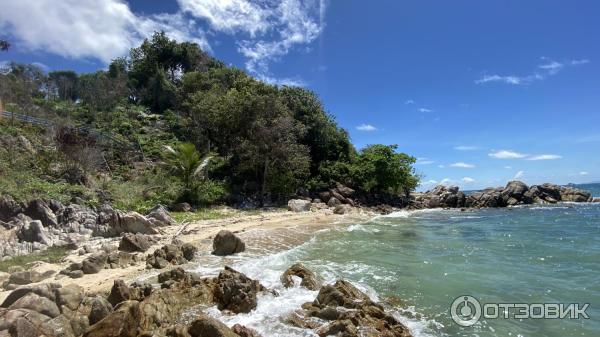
185,162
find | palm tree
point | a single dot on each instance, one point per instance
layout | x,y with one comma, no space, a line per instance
186,163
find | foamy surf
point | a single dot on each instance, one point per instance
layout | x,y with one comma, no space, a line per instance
271,311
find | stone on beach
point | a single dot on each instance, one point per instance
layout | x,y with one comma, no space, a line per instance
227,243
299,205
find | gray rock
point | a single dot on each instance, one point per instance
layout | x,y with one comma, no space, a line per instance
299,205
182,207
135,242
342,209
160,216
36,303
100,309
227,243
34,231
38,210
94,263
9,208
236,292
309,279
25,277
333,201
206,326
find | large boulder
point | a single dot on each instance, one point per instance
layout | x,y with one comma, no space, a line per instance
243,331
36,303
131,222
94,263
575,195
236,292
100,308
38,209
299,205
123,322
309,279
160,216
8,208
489,197
135,242
515,189
78,219
26,277
545,193
34,231
206,326
119,292
227,243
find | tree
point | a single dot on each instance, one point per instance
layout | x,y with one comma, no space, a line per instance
380,169
4,45
65,84
185,162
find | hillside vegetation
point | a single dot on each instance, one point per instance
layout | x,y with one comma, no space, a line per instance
169,123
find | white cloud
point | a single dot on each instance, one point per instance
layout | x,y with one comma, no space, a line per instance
543,71
441,166
429,182
508,167
462,165
579,62
425,110
468,180
424,161
466,148
101,30
583,173
519,174
366,127
544,157
506,154
447,181
409,101
275,28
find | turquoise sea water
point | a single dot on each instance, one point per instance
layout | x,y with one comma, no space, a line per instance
419,262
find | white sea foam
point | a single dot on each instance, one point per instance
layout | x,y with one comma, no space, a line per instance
406,213
362,228
271,310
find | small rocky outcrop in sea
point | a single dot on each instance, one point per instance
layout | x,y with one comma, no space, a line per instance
514,193
236,292
308,278
227,243
348,312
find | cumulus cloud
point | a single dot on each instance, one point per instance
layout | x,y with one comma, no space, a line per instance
583,173
409,101
544,70
425,110
544,157
264,31
366,127
462,165
101,30
519,174
468,180
506,154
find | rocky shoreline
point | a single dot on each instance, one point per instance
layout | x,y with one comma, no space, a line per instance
156,308
106,241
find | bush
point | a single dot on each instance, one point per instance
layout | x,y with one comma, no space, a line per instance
205,193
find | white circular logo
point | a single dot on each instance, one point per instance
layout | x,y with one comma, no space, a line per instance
465,310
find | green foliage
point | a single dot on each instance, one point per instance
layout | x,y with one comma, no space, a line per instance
379,168
264,141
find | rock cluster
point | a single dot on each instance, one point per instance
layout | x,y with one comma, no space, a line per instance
99,261
514,193
39,224
172,254
339,199
342,309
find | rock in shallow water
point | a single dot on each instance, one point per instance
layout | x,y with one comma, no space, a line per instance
227,243
236,292
309,279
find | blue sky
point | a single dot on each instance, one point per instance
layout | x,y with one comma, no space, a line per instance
480,91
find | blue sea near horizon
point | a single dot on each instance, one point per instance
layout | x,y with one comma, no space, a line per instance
419,262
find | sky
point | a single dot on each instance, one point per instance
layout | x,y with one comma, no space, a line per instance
481,92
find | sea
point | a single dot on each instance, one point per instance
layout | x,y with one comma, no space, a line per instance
417,263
